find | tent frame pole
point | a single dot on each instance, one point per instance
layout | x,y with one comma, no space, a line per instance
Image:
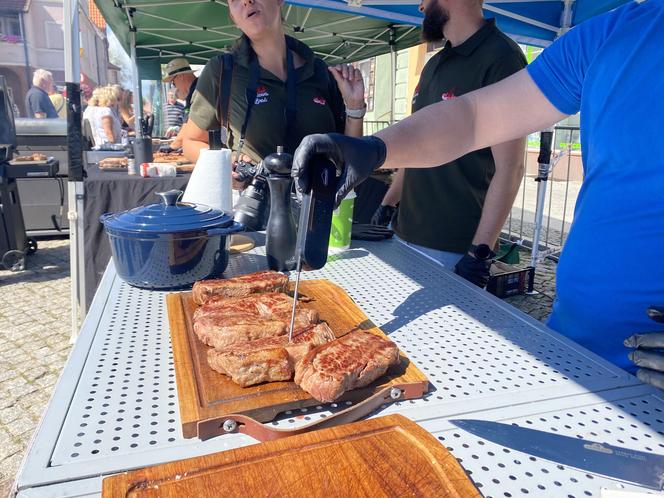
393,71
76,188
136,84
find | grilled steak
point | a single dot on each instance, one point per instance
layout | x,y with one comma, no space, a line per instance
260,304
262,360
263,365
253,283
270,305
224,329
350,362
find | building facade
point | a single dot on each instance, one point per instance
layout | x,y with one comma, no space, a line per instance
32,37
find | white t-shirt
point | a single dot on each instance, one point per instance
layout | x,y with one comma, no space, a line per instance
94,115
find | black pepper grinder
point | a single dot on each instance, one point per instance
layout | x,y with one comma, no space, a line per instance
280,232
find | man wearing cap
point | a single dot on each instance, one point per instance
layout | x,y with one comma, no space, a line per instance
181,76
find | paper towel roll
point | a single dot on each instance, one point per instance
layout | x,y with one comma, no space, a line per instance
210,182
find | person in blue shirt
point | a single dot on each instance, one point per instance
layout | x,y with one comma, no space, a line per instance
610,69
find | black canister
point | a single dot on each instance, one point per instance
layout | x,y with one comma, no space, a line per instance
280,233
143,150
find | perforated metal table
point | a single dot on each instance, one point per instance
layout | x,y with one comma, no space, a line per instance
115,407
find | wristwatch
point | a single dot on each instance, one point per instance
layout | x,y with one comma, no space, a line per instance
356,113
481,252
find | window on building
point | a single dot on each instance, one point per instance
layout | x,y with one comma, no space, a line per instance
368,70
54,36
10,25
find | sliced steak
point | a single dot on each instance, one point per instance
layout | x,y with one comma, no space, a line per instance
264,365
250,363
223,329
260,304
352,361
253,283
273,304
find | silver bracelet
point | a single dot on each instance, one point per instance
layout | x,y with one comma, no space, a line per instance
356,113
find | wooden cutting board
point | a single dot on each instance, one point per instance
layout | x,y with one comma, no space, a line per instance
381,457
207,396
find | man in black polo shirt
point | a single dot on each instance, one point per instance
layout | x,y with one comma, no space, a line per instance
454,213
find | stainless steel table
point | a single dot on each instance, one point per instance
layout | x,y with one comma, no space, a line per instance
115,407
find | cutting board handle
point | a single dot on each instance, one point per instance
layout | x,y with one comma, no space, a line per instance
247,425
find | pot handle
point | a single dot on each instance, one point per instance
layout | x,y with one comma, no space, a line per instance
234,228
170,197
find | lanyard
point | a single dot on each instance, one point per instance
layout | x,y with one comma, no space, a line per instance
251,93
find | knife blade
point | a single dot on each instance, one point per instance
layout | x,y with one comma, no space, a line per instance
622,464
300,241
313,229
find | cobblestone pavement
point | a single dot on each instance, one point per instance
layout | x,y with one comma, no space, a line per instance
34,342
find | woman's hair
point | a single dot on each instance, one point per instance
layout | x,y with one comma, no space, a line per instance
125,105
103,96
117,91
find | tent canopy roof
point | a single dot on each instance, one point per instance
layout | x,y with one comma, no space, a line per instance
198,29
337,30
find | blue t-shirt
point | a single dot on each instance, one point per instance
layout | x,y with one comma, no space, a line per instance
611,68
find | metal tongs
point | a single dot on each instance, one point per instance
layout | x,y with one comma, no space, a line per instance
313,230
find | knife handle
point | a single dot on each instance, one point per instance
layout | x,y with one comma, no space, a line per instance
323,190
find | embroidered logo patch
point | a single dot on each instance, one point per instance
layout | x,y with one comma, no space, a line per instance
320,100
261,95
415,94
449,95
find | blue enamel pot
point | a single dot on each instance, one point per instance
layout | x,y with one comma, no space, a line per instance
169,245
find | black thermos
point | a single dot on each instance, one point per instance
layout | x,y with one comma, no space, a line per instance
280,233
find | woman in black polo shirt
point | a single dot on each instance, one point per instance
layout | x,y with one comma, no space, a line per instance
264,57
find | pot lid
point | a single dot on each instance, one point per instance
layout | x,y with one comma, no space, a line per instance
168,216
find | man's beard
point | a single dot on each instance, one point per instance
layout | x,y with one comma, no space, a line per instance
435,17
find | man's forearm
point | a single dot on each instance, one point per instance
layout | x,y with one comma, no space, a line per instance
354,127
191,149
445,131
500,197
393,194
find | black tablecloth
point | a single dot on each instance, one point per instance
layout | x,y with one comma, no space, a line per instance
110,192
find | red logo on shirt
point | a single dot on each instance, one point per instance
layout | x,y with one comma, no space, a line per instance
261,95
416,93
320,100
449,95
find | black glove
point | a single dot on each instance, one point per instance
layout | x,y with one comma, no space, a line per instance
383,215
355,159
474,270
362,231
649,353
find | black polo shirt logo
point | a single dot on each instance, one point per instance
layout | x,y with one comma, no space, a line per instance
415,94
261,95
449,95
319,100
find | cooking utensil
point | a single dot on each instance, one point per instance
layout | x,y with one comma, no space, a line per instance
171,244
614,462
384,456
313,230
